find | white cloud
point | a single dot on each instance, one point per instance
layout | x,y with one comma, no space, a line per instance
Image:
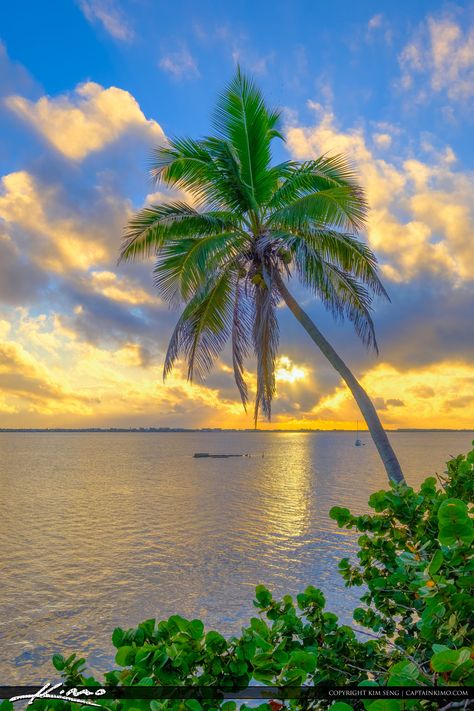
86,120
375,21
441,51
180,64
106,13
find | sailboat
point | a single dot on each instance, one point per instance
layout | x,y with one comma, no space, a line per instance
358,442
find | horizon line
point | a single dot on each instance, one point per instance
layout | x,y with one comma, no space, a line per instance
164,430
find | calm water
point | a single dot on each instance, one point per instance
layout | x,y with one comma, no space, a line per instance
100,530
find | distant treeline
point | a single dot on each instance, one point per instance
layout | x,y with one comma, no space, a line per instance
203,429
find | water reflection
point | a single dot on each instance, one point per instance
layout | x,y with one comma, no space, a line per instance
288,493
109,529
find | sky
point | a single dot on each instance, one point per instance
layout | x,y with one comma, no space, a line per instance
88,87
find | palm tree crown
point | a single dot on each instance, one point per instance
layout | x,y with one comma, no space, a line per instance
252,225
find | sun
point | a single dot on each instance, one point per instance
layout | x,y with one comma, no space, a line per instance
287,372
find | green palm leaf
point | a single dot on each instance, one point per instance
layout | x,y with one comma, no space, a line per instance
333,207
315,175
183,265
242,119
339,291
184,164
341,249
204,327
153,226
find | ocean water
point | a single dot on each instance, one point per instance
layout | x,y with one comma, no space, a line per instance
99,530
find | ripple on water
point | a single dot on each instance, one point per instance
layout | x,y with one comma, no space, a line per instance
100,530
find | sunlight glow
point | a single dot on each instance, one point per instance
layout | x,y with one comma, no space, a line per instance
287,372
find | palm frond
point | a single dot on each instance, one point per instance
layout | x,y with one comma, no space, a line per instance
274,116
242,118
356,303
203,327
150,228
183,163
183,265
341,249
241,338
333,208
229,187
329,176
342,294
306,177
265,341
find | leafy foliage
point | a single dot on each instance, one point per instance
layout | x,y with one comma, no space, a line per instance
251,223
415,561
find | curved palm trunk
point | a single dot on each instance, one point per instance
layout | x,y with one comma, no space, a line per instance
366,407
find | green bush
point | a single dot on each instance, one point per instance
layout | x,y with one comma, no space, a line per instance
416,565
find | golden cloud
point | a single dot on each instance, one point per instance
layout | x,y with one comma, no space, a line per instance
435,396
87,120
26,385
57,242
434,199
120,289
49,375
288,372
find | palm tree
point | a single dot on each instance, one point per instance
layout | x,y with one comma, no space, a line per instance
252,228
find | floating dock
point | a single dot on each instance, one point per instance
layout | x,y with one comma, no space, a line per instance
202,455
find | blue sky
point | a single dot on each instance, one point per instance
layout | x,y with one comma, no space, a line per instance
297,49
88,87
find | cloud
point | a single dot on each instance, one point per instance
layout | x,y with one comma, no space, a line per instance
460,402
25,382
382,140
231,40
400,399
86,345
180,64
20,281
446,378
107,14
421,211
86,120
43,228
251,61
375,21
426,323
288,372
119,288
49,376
99,320
395,402
442,54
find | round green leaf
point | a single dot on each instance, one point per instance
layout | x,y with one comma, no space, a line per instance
59,662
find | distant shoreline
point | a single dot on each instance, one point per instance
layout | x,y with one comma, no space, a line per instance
185,430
